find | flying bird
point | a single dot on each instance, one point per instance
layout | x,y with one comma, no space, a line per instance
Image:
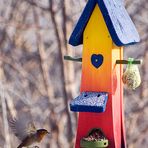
26,132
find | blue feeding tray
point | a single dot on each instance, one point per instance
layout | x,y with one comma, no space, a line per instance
90,102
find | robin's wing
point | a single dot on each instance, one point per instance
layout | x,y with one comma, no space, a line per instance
18,128
22,126
31,129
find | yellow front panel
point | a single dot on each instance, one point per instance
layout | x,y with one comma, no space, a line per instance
96,40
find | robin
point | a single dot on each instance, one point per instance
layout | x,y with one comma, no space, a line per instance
28,134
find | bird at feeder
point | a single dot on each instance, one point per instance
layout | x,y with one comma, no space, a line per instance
27,132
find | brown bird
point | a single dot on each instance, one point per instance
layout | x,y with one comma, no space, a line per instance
27,132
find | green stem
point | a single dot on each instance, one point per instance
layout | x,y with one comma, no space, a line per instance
127,62
72,59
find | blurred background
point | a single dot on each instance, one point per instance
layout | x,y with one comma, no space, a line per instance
35,80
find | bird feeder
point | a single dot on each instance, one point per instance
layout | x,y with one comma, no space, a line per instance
95,138
103,28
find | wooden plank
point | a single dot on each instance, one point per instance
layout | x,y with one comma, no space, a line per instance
90,102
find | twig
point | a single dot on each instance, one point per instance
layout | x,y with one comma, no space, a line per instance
64,22
69,123
5,121
21,71
43,57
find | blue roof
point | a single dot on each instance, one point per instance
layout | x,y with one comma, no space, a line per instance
119,23
89,102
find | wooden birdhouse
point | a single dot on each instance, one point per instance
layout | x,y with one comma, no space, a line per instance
103,28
